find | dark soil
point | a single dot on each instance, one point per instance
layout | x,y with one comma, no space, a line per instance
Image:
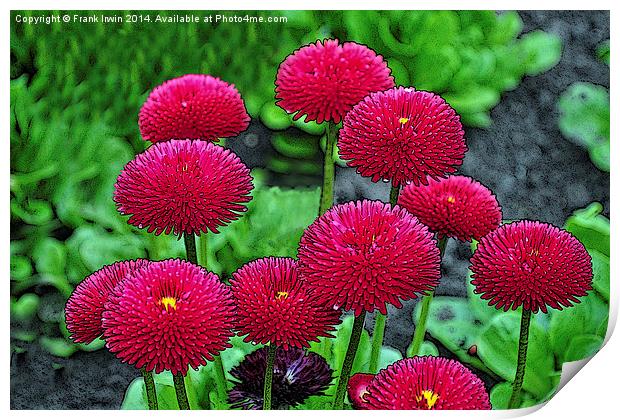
522,157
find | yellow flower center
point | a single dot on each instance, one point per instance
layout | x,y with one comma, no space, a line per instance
281,295
429,396
451,199
403,120
168,302
534,252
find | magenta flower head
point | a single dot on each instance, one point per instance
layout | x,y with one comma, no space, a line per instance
426,383
457,207
531,264
363,255
84,308
297,376
275,306
324,80
183,186
194,106
167,316
404,136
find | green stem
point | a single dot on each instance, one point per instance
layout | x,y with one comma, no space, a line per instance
420,328
347,363
179,388
220,372
271,358
203,241
377,342
378,331
220,378
394,193
526,317
151,393
190,248
327,192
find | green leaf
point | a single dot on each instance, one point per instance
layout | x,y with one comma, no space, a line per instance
426,349
500,395
58,346
473,101
21,269
583,346
601,331
25,308
50,256
542,51
399,71
584,318
302,147
584,120
498,350
600,268
135,396
602,51
453,322
274,117
272,226
341,343
310,127
590,227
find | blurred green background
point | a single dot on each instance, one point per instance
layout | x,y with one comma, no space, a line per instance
76,90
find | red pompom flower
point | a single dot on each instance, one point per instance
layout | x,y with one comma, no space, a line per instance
183,186
194,106
531,264
363,255
457,207
84,308
167,316
275,306
404,136
426,383
325,79
357,389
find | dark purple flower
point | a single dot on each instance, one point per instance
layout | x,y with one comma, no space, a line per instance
297,375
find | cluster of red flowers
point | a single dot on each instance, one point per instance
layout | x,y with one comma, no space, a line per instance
359,256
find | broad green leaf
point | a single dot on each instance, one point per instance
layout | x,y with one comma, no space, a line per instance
583,318
584,119
542,51
590,227
274,117
135,396
426,349
500,395
583,346
50,256
600,268
310,127
453,322
272,226
58,346
21,268
302,147
24,308
498,346
601,331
